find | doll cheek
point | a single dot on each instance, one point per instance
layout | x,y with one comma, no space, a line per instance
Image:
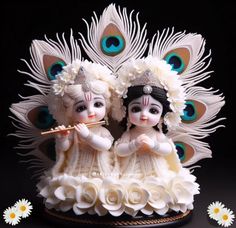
134,117
82,117
154,120
100,113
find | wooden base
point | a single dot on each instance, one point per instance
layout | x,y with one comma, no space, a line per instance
70,219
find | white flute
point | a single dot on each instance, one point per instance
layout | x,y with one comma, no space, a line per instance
53,131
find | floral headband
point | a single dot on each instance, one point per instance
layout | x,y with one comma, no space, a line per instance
81,72
151,71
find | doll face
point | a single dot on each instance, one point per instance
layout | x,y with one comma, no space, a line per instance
145,111
89,107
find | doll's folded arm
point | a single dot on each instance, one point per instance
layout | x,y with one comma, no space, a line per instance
162,148
126,149
98,142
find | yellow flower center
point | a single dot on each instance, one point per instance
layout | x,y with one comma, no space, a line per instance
225,217
12,215
216,210
22,208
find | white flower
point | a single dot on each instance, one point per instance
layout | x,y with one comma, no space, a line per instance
182,188
111,195
159,198
87,195
214,210
24,207
59,192
136,198
11,216
226,217
172,119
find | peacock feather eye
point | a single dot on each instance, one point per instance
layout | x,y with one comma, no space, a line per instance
178,59
175,61
190,113
193,111
48,148
55,69
180,150
184,151
41,118
53,66
112,41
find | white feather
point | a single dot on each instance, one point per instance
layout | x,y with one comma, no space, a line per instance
201,149
207,123
58,49
167,40
30,136
134,35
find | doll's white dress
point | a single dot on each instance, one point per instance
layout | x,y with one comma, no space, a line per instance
145,164
81,159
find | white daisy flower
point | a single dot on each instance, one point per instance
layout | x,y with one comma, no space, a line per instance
226,218
11,216
214,210
24,207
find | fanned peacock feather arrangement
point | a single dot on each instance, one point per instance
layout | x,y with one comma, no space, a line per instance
112,40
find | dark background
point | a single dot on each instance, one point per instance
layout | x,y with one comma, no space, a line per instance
23,22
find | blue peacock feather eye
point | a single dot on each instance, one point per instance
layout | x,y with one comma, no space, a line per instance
112,45
190,113
55,69
175,61
180,147
43,119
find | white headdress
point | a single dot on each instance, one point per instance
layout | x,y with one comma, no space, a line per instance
149,72
84,73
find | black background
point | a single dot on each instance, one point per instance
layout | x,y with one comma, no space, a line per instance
23,22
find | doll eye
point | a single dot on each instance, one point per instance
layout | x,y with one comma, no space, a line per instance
154,111
81,108
98,104
55,69
135,109
176,62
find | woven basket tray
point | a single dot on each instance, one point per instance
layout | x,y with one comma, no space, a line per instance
69,219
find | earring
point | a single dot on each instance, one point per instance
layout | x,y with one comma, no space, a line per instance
159,125
128,124
106,119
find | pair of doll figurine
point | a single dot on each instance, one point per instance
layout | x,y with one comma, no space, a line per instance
142,171
158,99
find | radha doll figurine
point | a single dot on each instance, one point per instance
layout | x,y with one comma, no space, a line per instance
154,100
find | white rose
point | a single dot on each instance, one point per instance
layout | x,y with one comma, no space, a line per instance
112,195
86,196
59,192
159,198
136,198
183,188
65,191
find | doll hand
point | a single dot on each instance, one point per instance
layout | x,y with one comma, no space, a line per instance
144,141
82,130
62,134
